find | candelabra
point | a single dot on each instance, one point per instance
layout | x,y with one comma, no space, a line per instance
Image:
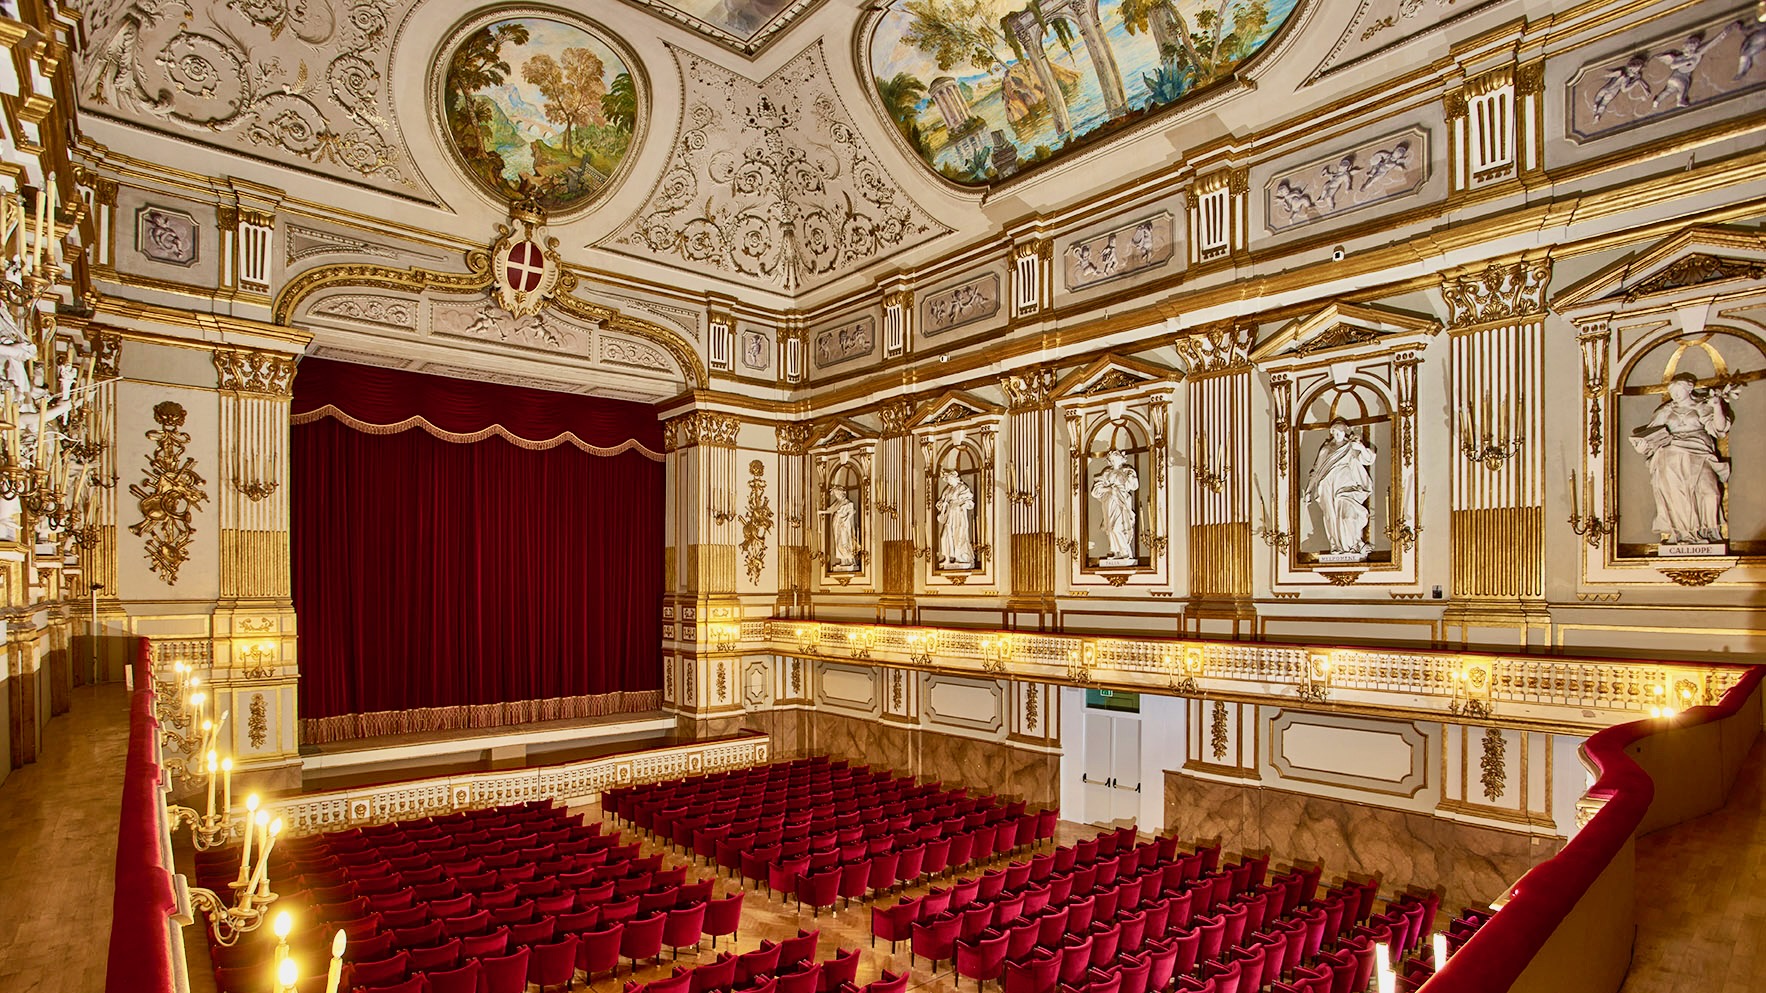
1183,675
1486,443
1471,689
1212,473
1079,664
921,645
725,635
1273,537
1315,685
228,919
46,458
1403,534
860,643
1587,526
997,653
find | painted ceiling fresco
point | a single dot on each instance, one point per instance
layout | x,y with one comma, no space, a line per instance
987,89
539,108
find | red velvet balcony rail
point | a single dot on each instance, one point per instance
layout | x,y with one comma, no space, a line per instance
1499,952
140,957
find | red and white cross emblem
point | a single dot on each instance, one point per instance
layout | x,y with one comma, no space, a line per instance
525,268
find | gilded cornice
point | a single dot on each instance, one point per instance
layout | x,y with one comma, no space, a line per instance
1497,292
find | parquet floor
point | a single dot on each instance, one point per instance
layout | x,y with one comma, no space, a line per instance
58,828
1701,897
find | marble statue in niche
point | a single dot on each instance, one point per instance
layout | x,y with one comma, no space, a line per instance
956,536
1687,473
1341,484
842,515
1114,489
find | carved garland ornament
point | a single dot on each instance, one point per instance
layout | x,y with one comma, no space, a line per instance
258,725
169,493
1498,292
1493,766
1217,731
756,523
701,427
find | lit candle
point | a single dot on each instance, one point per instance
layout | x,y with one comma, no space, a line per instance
284,924
18,230
251,809
207,728
49,228
1440,942
227,788
262,821
336,971
264,867
286,974
213,765
1388,979
42,216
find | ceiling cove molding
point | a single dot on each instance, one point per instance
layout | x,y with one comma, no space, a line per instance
771,181
477,280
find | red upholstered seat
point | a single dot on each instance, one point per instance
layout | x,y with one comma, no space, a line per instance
718,974
380,972
935,938
465,979
534,932
553,963
723,916
598,950
642,938
480,945
798,977
683,927
1037,974
412,985
763,961
438,957
819,889
838,971
800,948
505,973
983,958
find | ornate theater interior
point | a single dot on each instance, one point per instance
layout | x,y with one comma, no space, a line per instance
1085,496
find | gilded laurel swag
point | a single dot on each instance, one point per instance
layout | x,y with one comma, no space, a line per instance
168,495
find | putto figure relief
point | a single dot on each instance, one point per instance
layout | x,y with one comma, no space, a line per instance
956,506
1341,484
1686,470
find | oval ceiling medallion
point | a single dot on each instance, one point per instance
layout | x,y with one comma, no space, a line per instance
540,106
984,90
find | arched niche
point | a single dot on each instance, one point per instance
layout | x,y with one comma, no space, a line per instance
1325,477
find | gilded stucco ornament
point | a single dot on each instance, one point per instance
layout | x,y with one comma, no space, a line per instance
757,522
168,495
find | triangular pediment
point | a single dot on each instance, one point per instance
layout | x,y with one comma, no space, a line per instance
841,431
1341,325
953,406
1110,373
1695,258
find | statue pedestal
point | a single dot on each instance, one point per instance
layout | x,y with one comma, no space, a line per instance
1341,558
1667,551
1117,563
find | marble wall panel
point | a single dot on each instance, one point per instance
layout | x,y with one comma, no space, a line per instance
1470,863
983,766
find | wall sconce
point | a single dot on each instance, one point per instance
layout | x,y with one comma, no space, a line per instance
259,659
1212,473
1486,441
1471,693
1663,705
724,635
1403,534
1079,663
1590,528
921,645
809,638
860,643
997,653
1183,675
1316,686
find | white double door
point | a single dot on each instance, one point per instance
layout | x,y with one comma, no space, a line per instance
1112,777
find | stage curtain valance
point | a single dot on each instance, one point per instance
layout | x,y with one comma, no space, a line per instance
390,401
445,585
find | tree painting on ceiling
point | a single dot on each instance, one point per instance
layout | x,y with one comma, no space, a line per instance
986,89
539,109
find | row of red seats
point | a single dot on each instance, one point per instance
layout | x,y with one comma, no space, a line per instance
787,966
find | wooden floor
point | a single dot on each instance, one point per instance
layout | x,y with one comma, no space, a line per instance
58,829
1701,897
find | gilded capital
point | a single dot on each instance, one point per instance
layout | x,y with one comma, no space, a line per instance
248,370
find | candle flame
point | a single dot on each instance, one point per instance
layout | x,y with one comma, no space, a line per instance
284,924
337,943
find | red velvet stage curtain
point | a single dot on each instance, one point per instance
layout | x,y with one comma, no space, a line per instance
445,584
